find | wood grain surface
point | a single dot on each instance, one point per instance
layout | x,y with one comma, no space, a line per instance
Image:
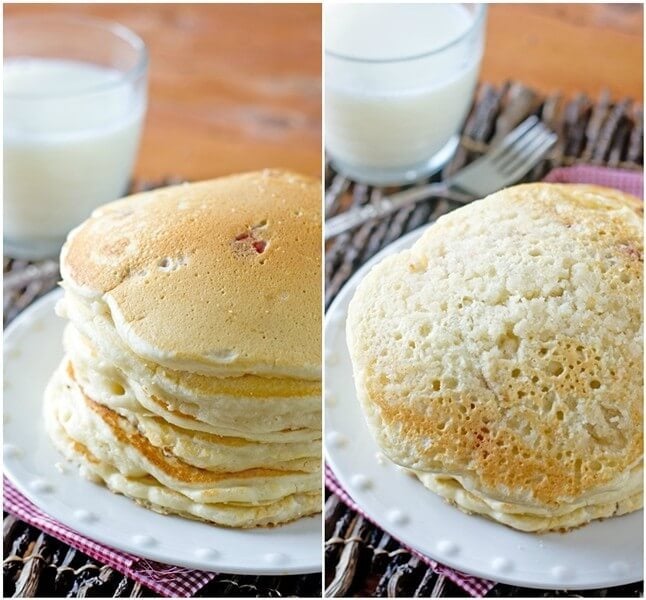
567,47
238,86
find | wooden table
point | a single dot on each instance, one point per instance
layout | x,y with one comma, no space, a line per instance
568,47
238,87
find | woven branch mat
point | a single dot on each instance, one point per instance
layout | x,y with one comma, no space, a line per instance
36,564
360,559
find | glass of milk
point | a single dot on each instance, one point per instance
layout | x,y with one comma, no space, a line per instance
74,102
399,81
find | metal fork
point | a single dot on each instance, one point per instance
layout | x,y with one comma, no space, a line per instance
506,162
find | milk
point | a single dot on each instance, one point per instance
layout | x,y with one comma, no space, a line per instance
399,82
71,132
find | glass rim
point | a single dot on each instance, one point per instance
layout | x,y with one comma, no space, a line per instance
118,30
481,10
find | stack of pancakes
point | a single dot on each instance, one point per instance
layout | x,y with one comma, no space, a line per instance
500,358
191,380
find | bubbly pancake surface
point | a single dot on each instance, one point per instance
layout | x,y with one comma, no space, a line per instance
504,351
191,380
210,277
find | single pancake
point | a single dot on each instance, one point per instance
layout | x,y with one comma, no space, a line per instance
501,356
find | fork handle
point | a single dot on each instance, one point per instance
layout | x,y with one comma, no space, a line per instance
384,206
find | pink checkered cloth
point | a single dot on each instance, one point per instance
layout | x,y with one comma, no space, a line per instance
631,182
166,580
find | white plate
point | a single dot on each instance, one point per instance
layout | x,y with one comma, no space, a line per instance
32,349
601,554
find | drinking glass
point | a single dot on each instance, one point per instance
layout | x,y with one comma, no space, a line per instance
399,81
74,103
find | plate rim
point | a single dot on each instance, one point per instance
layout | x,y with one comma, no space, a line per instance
331,316
124,545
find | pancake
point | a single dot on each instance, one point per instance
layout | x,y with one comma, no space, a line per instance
220,277
264,418
112,438
152,494
521,517
99,333
191,380
501,356
204,448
